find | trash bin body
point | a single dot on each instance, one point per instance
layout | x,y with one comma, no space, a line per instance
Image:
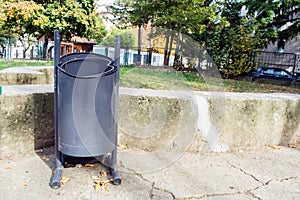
86,105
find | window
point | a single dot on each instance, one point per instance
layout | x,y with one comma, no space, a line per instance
268,71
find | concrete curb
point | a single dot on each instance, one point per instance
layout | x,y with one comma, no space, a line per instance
27,75
157,120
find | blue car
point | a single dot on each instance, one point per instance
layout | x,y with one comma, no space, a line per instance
274,75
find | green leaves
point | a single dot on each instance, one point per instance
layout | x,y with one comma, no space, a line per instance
70,16
18,18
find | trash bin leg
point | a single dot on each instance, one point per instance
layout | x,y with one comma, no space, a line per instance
55,182
114,172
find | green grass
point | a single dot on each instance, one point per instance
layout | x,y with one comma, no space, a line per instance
168,78
20,63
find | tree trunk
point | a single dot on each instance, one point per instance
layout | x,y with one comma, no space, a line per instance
166,62
178,57
139,45
45,45
170,49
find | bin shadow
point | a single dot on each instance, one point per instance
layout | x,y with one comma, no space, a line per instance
44,134
44,127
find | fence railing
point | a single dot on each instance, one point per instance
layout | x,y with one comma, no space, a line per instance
287,61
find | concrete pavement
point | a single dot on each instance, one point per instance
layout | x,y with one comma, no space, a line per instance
264,173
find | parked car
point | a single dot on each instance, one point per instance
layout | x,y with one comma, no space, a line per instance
274,75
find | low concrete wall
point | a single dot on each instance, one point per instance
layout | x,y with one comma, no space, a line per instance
27,75
26,120
154,120
255,120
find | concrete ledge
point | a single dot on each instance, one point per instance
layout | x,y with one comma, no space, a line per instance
26,121
27,75
157,120
255,120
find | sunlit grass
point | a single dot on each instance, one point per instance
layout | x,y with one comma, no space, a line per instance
20,63
162,78
170,79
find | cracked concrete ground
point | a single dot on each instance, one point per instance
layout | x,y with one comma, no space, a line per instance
264,173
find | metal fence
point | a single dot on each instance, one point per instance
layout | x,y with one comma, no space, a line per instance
287,61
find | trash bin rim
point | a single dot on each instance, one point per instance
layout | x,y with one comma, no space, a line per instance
112,69
87,53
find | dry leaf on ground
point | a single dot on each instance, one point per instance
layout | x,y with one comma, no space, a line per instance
46,159
64,180
273,147
98,187
9,167
103,173
89,165
101,185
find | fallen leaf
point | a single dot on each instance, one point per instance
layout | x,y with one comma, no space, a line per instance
273,147
64,180
101,184
24,185
9,167
97,187
103,173
89,165
46,159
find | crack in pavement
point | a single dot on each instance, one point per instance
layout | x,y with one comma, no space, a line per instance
249,192
146,180
213,195
246,173
253,195
262,183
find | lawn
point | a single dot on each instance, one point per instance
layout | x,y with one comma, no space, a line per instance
18,63
170,79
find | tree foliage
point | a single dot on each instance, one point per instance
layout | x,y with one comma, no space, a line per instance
22,20
252,25
41,18
21,17
229,29
276,20
128,38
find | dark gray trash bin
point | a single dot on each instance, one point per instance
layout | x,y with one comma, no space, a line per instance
86,105
86,96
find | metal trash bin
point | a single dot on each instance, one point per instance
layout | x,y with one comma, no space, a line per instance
86,96
86,105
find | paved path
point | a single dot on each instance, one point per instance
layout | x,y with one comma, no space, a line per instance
267,173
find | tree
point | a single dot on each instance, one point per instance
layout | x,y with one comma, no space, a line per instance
72,18
252,25
128,39
190,17
230,45
21,20
276,20
41,18
229,29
